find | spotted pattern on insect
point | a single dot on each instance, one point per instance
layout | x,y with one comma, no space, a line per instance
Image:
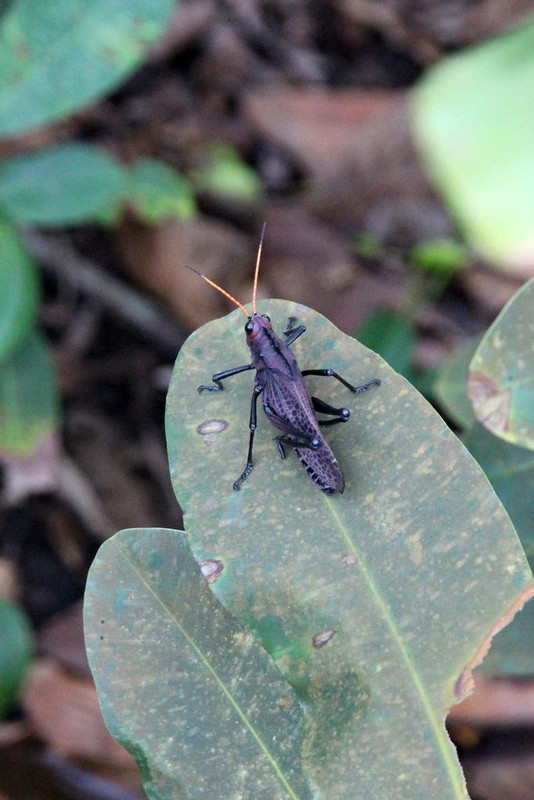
286,400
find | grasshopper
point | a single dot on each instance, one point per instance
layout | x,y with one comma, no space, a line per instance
287,402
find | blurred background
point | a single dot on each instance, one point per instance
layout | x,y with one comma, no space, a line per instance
388,146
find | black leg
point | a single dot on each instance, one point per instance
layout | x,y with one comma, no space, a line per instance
341,414
299,440
293,333
290,327
252,426
220,376
329,373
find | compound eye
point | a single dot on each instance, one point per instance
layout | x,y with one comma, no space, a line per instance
249,327
266,317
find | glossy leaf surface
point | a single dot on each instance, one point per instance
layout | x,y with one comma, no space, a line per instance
511,472
157,192
19,291
29,410
182,684
15,653
501,373
56,57
224,173
450,387
473,116
372,603
392,336
68,184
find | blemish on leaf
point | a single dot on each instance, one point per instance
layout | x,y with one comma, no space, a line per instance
415,548
490,401
349,560
211,568
211,426
320,639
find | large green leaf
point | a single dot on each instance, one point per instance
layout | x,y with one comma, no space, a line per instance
392,336
373,603
15,653
450,387
474,116
157,192
19,290
182,684
58,56
68,184
224,173
511,472
501,374
29,410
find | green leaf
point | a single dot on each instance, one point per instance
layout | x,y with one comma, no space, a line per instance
401,577
182,684
501,374
450,387
68,184
19,291
29,410
15,653
157,192
225,173
57,57
473,116
368,246
442,257
391,336
511,472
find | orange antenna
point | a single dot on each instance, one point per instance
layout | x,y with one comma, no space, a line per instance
222,291
257,270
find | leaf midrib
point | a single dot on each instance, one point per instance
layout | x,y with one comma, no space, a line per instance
436,726
219,681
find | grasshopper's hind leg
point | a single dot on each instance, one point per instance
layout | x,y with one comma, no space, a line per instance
340,414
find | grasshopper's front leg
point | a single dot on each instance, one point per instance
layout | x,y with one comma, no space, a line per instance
258,389
293,332
220,376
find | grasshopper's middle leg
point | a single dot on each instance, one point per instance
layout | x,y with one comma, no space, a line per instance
221,376
330,373
252,427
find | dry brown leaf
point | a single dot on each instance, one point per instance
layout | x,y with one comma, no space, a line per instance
156,257
61,639
32,474
425,29
496,702
64,712
310,262
489,288
315,126
10,586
